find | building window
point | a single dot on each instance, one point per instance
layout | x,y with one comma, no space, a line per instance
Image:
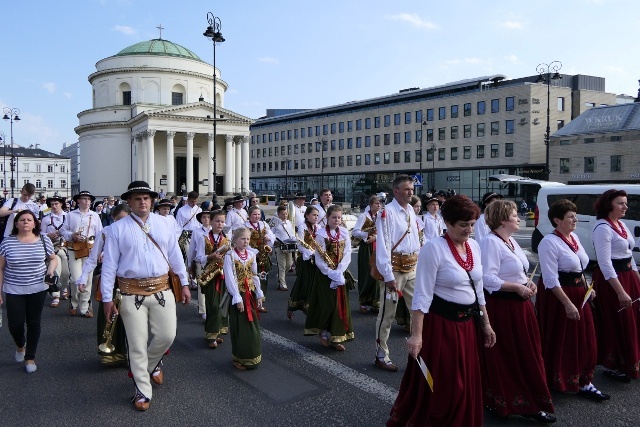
495,105
589,164
442,113
376,159
509,127
333,128
333,145
396,157
349,126
295,164
359,124
564,165
367,123
349,160
467,109
407,118
317,163
454,132
341,127
407,156
616,138
480,130
511,103
589,140
376,122
466,152
430,154
341,144
367,159
442,134
38,168
467,131
454,153
508,149
49,183
480,151
376,140
419,135
277,137
341,161
454,111
396,138
324,162
38,183
289,150
561,103
616,163
430,114
276,165
494,151
295,149
126,97
317,131
565,142
295,134
325,129
560,124
176,98
302,147
407,137
310,131
309,164
350,143
495,128
302,164
25,167
441,154
396,119
429,134
387,139
418,156
62,169
63,183
387,120
310,147
419,116
282,136
333,162
481,107
367,141
359,159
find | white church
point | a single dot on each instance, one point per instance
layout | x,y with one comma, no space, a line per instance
152,120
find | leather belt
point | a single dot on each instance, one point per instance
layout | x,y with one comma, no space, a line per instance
404,263
146,287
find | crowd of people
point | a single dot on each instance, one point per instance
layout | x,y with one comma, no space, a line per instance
448,271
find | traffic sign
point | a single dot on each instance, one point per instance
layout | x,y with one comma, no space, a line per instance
417,180
5,192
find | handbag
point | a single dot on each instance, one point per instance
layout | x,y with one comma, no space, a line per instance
52,281
82,249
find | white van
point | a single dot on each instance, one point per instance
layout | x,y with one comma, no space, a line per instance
584,197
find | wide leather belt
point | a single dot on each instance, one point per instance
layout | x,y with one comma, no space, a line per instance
570,278
404,263
146,287
622,264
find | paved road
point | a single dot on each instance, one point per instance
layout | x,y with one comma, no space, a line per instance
299,382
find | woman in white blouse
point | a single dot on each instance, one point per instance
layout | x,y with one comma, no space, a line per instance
522,389
448,294
565,320
365,229
481,228
618,285
433,223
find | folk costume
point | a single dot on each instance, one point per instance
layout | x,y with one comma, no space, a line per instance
236,218
198,238
305,269
283,232
51,224
262,240
368,287
186,220
433,226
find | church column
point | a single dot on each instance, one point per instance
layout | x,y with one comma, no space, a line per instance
170,175
228,166
190,136
151,170
245,163
238,170
210,149
142,158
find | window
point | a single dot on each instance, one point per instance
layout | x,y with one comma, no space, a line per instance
264,152
367,159
589,104
324,162
62,169
63,183
317,131
38,183
430,114
295,134
407,156
295,149
270,136
376,140
418,135
441,153
565,142
350,143
295,164
467,109
387,120
560,124
333,128
407,137
430,154
454,132
376,159
511,103
288,149
349,160
442,113
387,158
419,116
616,138
495,128
333,162
429,134
561,103
508,149
454,111
376,122
396,157
359,124
25,167
481,107
589,140
126,97
454,153
341,161
396,119
300,147
442,134
38,168
367,123
317,163
349,126
467,131
387,139
309,147
509,127
333,145
310,131
325,129
302,164
318,144
564,165
407,118
277,137
341,127
494,151
176,98
466,152
616,163
309,164
396,138
418,156
589,164
495,105
341,144
480,152
359,159
367,141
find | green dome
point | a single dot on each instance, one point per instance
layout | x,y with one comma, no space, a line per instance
159,47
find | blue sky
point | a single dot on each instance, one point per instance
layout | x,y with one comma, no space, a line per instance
306,54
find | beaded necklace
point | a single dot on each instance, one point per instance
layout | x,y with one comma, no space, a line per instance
242,256
622,232
466,265
510,245
572,244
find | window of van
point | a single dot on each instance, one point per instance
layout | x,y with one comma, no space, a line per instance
585,203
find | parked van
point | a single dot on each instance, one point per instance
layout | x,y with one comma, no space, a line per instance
268,199
584,197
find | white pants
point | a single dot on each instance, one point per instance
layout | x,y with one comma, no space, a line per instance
79,300
404,283
62,270
151,315
285,261
201,307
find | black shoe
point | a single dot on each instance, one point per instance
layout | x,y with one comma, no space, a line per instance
542,417
617,375
594,394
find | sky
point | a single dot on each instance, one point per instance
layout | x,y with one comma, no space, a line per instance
305,54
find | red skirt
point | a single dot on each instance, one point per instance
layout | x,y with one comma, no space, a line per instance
618,332
450,350
513,379
568,346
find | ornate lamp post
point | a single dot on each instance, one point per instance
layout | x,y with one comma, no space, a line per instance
11,114
286,176
213,33
422,137
323,144
3,138
542,69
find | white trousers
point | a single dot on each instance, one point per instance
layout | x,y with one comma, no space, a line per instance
161,320
201,306
285,261
404,283
79,300
62,270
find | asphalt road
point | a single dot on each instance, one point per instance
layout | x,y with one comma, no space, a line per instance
299,383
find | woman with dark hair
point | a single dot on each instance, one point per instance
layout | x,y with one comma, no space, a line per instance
617,283
448,294
365,230
566,323
305,265
522,390
23,266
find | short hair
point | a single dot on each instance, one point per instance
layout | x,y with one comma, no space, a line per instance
498,211
217,213
332,209
237,233
373,199
29,188
559,209
254,208
118,209
459,208
192,195
324,190
414,200
603,205
174,197
36,229
310,210
400,179
282,208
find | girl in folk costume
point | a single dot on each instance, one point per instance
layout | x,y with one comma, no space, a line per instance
305,268
262,239
243,284
210,250
365,229
329,315
433,223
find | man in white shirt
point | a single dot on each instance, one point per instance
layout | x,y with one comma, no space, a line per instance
237,216
283,232
141,268
397,250
326,199
186,219
299,209
14,205
51,225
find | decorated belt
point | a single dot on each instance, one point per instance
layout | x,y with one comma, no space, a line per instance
622,264
570,278
186,233
404,263
146,287
451,310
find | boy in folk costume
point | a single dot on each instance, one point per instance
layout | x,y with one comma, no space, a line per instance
198,239
262,239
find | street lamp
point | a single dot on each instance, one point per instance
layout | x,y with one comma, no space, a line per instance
433,165
286,176
422,136
3,138
541,69
55,193
323,143
213,33
11,114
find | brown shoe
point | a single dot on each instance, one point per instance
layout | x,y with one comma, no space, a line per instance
142,404
213,344
324,341
386,366
262,309
239,366
73,311
338,347
219,340
157,376
88,314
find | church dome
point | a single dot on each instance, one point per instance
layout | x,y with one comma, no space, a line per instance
159,47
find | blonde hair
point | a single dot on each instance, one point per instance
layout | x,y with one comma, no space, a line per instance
237,233
498,211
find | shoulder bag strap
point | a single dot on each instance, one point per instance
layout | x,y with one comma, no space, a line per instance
188,221
152,240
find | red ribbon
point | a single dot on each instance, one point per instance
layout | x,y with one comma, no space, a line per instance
249,302
341,302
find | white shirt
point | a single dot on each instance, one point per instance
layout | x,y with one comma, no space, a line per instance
229,270
186,217
610,245
357,229
336,276
322,215
391,226
480,229
129,253
284,231
92,260
500,264
433,226
439,273
20,205
299,215
269,237
52,223
236,218
89,223
201,255
306,253
556,255
197,244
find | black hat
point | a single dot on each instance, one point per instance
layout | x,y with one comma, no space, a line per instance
238,198
432,199
199,215
300,195
55,199
228,202
98,203
488,196
84,194
138,187
163,202
441,193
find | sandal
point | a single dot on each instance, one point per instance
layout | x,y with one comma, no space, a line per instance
64,294
213,344
219,340
55,303
239,366
338,347
324,341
